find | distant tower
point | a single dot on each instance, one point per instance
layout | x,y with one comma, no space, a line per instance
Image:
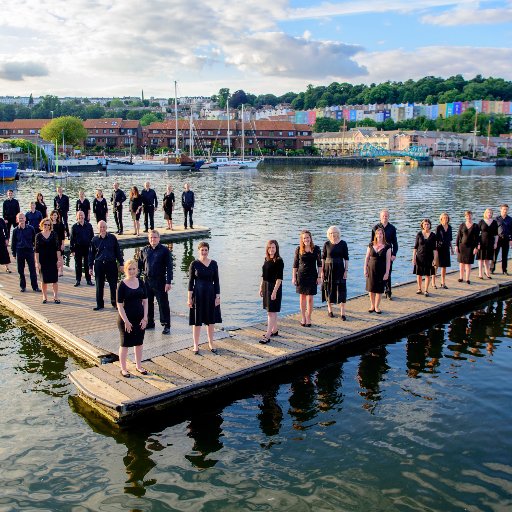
142,94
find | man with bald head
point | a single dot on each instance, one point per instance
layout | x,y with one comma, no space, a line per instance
104,257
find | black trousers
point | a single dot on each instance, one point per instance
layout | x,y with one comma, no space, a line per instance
10,222
64,219
118,217
190,211
81,255
387,284
149,211
163,305
105,270
22,256
503,244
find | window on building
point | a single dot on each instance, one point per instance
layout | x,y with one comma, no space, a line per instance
291,134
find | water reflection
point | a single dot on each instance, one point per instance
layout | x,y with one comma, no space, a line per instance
205,429
372,368
270,416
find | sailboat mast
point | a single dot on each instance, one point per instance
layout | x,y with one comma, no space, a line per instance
229,137
474,133
243,134
176,116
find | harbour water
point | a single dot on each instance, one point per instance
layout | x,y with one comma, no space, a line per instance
416,423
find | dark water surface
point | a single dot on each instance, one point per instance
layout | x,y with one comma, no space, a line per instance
417,423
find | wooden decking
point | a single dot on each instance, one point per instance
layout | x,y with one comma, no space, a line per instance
177,233
176,374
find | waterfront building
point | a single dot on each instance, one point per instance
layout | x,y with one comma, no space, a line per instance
114,133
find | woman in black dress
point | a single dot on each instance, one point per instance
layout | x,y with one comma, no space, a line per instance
83,205
423,255
487,244
135,209
270,287
48,259
168,205
466,245
41,205
307,275
100,207
444,248
60,232
132,305
335,269
376,269
5,259
203,296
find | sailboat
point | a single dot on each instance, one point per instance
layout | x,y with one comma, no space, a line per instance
478,162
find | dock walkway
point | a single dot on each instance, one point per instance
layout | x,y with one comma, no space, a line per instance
176,374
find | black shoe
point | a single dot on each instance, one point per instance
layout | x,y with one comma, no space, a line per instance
167,330
505,273
77,283
37,290
22,290
120,233
145,231
330,314
97,308
114,305
90,283
191,227
151,325
389,297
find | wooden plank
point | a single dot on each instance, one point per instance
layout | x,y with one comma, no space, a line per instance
228,359
213,365
246,339
153,381
179,370
245,350
114,370
191,365
97,389
116,383
290,343
166,374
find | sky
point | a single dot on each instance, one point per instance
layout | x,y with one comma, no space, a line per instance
118,48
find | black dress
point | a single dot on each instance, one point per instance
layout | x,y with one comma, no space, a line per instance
60,231
100,208
84,206
4,253
334,287
272,270
444,239
134,309
204,285
47,249
376,269
487,234
41,207
307,265
135,204
425,248
168,204
467,242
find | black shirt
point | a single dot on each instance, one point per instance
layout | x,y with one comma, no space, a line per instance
187,199
390,232
105,249
23,239
149,198
100,208
83,206
81,234
156,265
504,227
272,270
118,196
61,203
41,207
11,208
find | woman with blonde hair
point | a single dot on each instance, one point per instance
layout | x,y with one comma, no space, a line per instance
444,248
335,271
132,306
307,274
487,244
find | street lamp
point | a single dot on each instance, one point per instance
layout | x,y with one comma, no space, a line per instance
51,112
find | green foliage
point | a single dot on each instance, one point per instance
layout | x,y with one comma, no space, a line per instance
325,124
223,97
26,147
150,117
117,103
67,128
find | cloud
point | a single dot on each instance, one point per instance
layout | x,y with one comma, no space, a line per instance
17,71
278,54
470,16
329,10
468,61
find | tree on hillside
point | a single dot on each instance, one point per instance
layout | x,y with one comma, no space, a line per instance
222,97
44,109
238,98
149,118
326,124
67,128
116,103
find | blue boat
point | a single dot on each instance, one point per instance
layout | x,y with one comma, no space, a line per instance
8,171
474,162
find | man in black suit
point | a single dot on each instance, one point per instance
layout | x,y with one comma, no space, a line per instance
61,204
117,199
